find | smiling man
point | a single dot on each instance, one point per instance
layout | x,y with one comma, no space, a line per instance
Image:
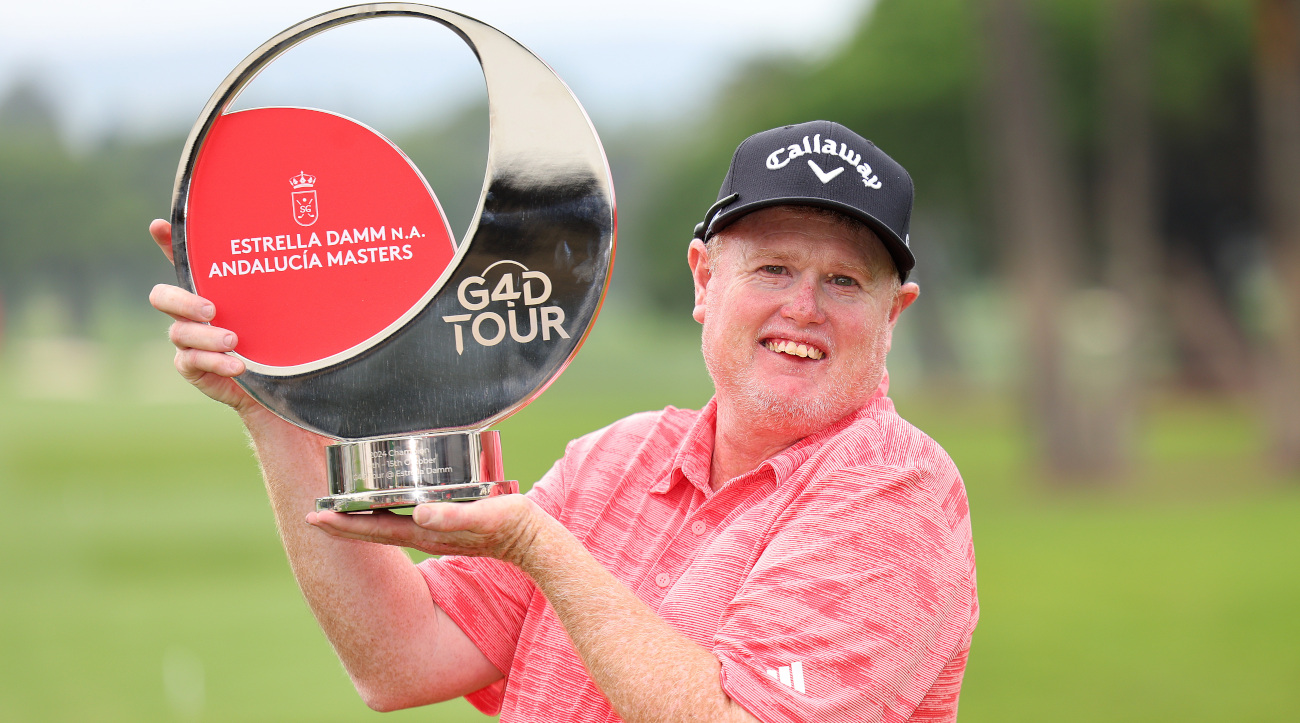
794,551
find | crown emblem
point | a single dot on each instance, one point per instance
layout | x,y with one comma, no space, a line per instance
302,180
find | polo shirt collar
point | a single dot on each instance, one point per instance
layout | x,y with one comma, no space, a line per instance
694,456
693,459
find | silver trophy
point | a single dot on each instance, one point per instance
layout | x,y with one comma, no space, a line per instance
422,343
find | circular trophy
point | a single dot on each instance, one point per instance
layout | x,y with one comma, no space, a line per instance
359,316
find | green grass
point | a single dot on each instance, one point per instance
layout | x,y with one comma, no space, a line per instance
1167,595
142,578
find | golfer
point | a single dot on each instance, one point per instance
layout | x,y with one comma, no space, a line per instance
794,551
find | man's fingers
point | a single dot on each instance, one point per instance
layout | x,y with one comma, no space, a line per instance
451,516
202,352
194,363
161,231
181,304
385,528
193,335
485,516
433,517
382,527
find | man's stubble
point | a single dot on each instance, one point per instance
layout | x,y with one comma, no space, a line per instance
735,385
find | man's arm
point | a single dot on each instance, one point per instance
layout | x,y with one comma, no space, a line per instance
647,670
399,649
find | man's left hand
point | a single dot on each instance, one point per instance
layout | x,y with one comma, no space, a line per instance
499,527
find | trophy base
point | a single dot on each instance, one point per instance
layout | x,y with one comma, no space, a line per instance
398,472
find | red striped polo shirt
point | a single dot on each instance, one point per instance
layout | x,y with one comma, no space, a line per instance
835,582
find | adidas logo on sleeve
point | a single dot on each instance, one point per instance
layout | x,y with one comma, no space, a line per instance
791,676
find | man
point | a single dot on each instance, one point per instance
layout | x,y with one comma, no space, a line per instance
794,551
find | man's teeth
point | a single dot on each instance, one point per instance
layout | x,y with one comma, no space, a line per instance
795,349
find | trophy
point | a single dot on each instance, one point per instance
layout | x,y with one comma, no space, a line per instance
359,316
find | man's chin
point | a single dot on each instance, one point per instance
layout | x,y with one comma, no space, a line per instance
793,414
789,405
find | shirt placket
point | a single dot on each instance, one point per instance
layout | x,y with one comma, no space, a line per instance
699,527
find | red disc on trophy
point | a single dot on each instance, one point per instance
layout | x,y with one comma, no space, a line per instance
310,232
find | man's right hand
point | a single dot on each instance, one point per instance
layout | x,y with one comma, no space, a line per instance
200,348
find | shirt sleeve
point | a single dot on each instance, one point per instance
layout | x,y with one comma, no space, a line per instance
862,598
488,599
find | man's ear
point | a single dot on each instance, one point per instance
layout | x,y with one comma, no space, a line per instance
907,293
903,298
697,256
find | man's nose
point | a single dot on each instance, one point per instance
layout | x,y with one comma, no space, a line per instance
804,304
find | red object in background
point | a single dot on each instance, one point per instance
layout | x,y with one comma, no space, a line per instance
309,232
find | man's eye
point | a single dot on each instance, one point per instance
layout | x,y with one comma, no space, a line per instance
843,281
773,269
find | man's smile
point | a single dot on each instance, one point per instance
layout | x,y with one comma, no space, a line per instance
793,348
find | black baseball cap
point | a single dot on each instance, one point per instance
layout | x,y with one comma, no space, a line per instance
818,163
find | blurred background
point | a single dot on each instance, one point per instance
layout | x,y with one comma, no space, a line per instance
1107,342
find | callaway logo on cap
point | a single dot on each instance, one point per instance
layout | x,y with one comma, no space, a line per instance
824,164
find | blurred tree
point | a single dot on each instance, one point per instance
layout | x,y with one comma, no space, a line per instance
1129,218
1204,130
27,112
1041,221
27,118
75,223
1278,98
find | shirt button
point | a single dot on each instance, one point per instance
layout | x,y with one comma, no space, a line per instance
661,579
697,527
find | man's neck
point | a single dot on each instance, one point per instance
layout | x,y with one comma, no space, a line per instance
740,445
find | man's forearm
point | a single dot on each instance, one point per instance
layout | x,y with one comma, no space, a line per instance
647,670
372,603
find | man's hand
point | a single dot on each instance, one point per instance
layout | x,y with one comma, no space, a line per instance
200,348
500,527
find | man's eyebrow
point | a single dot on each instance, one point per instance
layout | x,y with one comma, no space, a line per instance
767,254
859,269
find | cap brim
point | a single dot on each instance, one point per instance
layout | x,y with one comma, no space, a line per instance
904,261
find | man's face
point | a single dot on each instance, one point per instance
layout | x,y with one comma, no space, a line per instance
798,311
